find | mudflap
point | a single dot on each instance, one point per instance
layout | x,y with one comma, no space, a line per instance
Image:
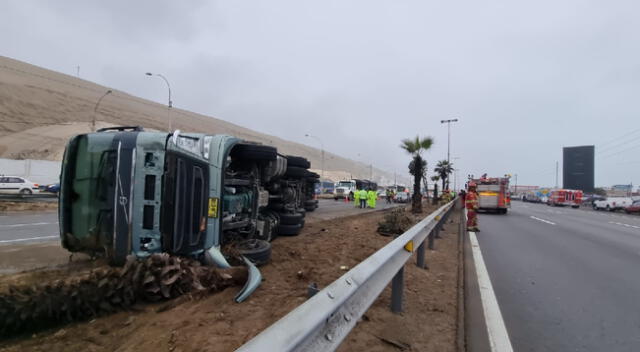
253,282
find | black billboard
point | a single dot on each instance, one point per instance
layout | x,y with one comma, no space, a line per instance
578,168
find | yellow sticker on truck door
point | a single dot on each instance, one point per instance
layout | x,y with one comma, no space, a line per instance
213,207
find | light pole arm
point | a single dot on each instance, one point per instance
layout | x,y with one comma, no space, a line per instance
168,87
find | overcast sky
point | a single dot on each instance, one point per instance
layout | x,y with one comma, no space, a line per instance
524,78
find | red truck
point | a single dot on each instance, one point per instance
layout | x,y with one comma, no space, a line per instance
493,194
565,197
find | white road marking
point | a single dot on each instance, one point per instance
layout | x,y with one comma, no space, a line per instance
28,239
625,225
30,224
497,331
543,220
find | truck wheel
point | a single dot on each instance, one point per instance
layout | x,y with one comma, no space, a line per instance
290,218
295,171
298,161
255,152
276,206
309,208
258,251
312,202
289,230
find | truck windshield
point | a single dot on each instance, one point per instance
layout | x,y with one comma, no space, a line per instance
344,184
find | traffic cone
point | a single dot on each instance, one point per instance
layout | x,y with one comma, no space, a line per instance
346,199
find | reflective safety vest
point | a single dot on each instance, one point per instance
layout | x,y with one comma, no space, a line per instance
363,194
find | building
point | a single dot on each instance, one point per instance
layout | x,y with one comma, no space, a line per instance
578,168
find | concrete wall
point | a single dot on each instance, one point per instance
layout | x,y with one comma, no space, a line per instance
37,171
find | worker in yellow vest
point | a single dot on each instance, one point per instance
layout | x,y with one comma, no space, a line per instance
363,198
371,196
356,198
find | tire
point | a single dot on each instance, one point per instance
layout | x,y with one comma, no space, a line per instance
312,177
309,208
295,171
312,202
254,152
258,251
290,230
608,208
26,191
290,218
298,161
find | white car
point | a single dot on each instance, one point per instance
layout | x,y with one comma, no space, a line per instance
17,185
402,197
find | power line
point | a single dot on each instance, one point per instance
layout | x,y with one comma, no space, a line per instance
620,151
620,143
618,138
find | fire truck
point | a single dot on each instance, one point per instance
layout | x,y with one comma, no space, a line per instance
565,197
493,194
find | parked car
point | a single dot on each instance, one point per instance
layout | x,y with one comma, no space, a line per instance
633,208
17,185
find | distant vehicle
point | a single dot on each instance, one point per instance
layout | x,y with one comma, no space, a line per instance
345,189
494,194
402,197
17,185
52,188
382,193
565,197
633,208
612,203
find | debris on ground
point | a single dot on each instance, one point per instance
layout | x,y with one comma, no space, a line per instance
106,290
395,222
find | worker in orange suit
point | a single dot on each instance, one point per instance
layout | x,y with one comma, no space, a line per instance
471,203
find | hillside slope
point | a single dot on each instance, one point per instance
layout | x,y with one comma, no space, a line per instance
40,109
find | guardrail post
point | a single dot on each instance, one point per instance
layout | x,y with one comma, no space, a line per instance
397,287
431,237
420,262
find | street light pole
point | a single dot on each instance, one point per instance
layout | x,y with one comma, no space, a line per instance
322,165
95,108
170,103
448,122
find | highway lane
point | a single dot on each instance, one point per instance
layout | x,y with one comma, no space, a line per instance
565,279
32,227
28,227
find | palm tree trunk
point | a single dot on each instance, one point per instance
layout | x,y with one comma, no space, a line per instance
416,201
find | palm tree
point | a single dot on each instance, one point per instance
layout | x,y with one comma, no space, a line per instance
417,167
435,179
444,169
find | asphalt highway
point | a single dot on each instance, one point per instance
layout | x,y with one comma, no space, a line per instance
32,227
565,279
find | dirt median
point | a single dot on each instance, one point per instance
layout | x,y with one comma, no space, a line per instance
319,256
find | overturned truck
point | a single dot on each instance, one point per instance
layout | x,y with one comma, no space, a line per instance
214,198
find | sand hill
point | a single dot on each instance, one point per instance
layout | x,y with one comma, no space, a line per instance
41,109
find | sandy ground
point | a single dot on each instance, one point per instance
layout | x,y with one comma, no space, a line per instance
27,206
214,323
40,109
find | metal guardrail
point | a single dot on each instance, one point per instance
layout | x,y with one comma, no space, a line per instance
324,320
29,198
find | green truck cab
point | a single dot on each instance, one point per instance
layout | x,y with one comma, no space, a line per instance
125,191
